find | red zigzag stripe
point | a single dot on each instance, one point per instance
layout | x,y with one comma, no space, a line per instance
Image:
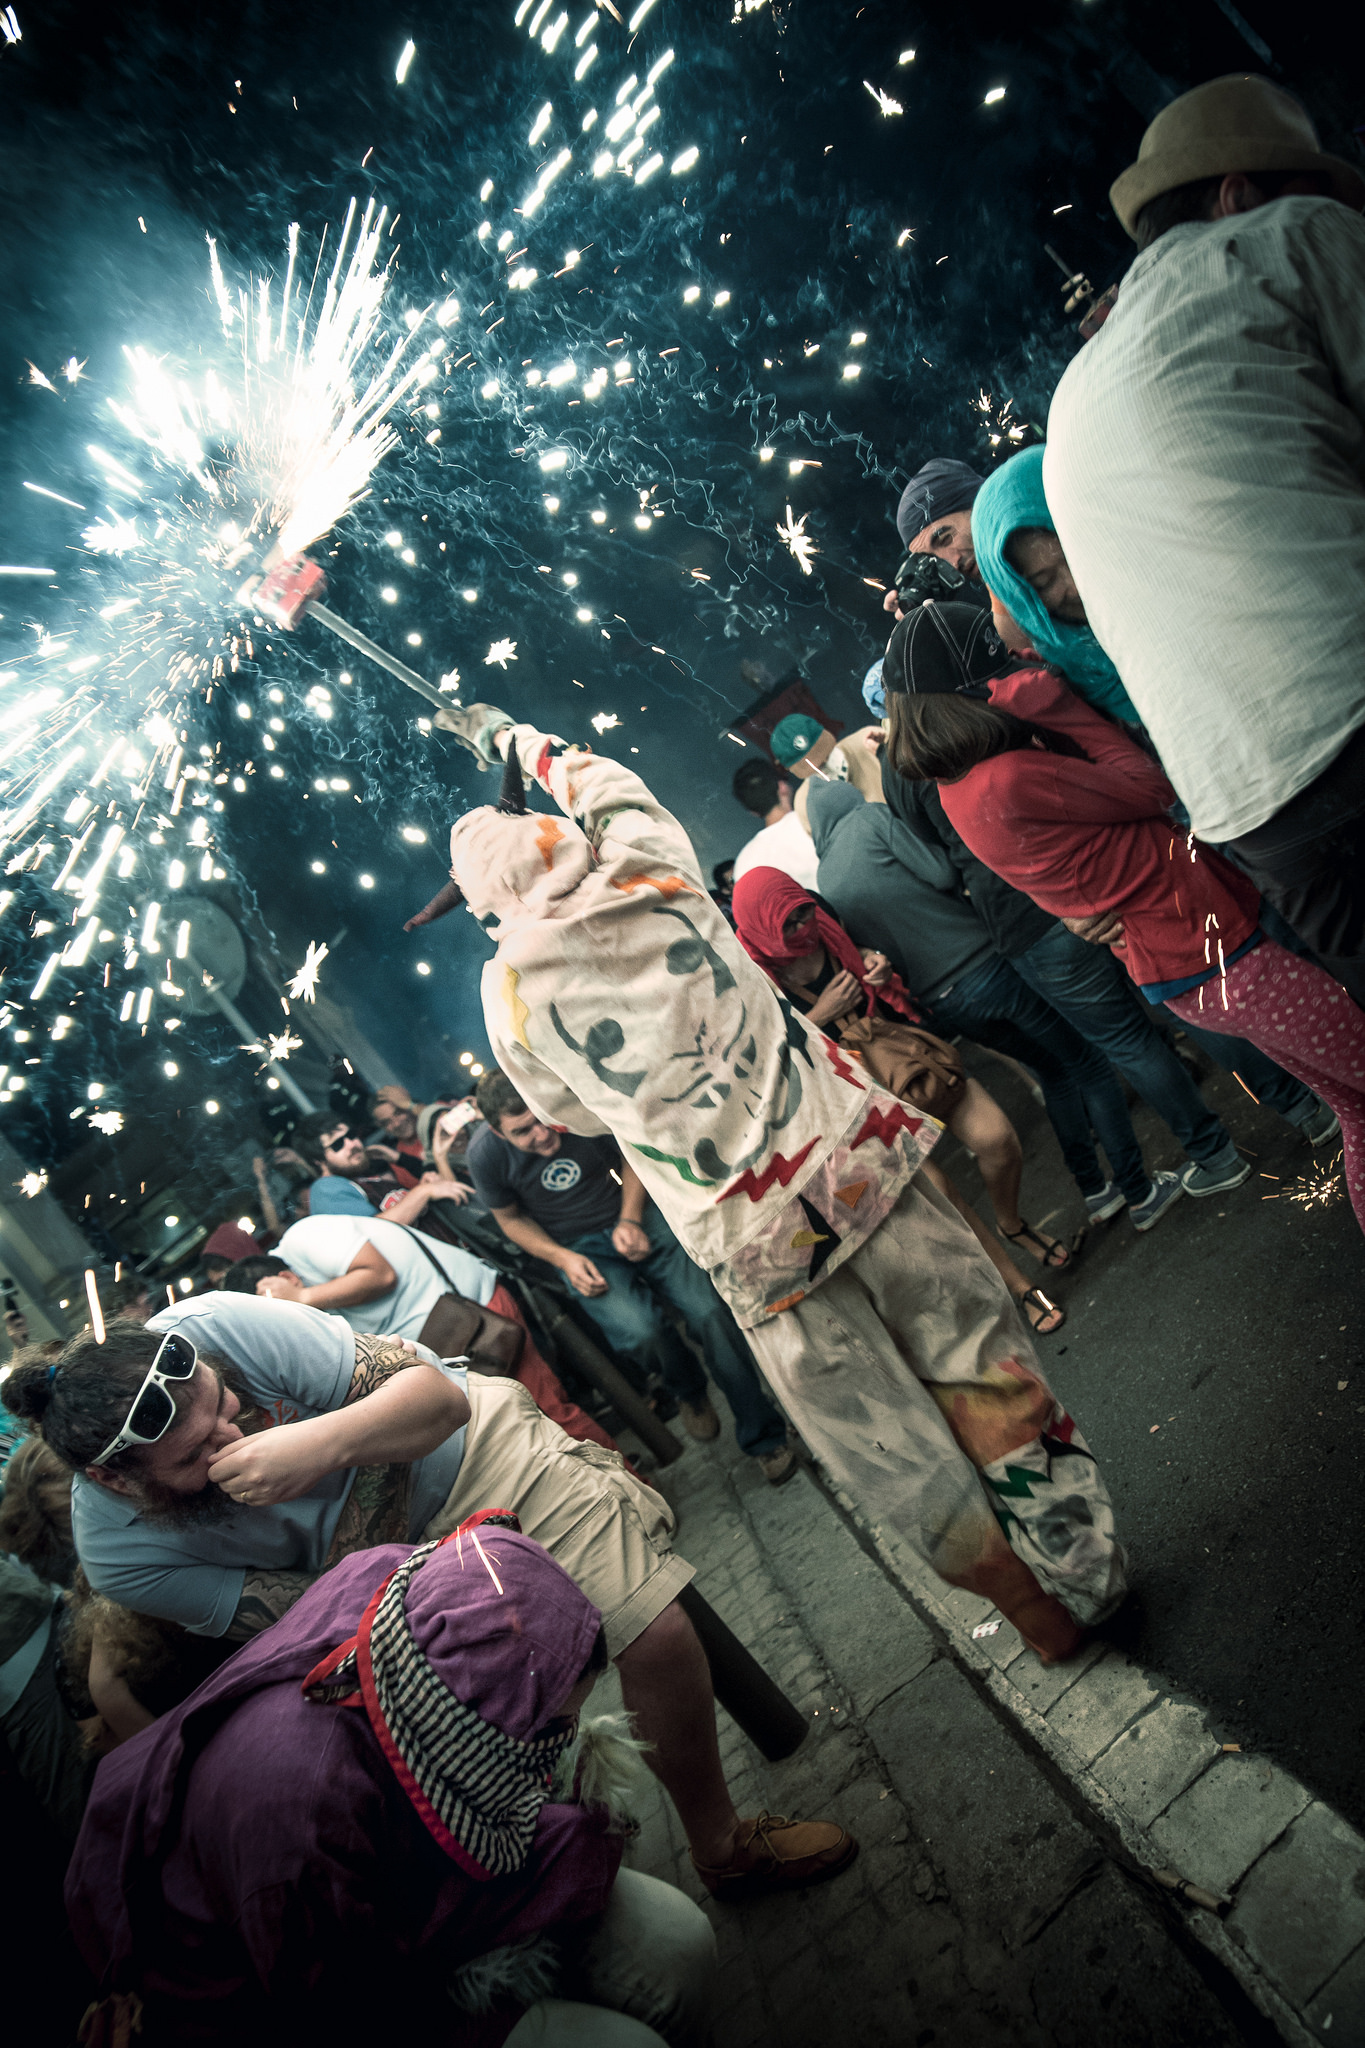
884,1124
842,1067
779,1168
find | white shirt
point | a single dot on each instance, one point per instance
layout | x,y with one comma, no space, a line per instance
1205,468
321,1248
786,845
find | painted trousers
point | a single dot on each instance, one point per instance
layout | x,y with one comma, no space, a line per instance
1295,1011
911,1377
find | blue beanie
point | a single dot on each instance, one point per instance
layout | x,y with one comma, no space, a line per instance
874,693
941,486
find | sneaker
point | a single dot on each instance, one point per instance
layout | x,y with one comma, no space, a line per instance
1321,1128
1165,1189
774,1854
1199,1181
700,1419
778,1466
1099,1208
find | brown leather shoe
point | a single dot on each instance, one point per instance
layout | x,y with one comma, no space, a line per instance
778,1466
700,1419
774,1854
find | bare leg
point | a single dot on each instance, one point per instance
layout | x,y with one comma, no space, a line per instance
666,1684
981,1125
1017,1282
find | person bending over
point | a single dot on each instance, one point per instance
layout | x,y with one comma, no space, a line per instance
235,1448
791,1180
1060,800
350,1833
577,1204
392,1282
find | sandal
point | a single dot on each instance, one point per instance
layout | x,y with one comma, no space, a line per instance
1026,1305
1047,1248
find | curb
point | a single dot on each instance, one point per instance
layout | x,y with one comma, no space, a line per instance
1159,1780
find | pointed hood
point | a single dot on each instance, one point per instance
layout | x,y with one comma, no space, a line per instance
515,870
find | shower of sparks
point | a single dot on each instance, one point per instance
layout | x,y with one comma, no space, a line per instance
279,1044
794,535
36,376
501,652
1320,1186
71,370
304,986
884,100
32,1184
110,1121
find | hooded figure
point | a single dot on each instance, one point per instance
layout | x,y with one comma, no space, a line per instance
1013,497
352,1808
620,1001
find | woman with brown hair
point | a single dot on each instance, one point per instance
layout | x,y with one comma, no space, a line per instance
812,959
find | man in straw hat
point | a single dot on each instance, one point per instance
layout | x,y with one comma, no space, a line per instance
1206,472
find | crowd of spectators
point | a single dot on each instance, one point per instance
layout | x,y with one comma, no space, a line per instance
306,1573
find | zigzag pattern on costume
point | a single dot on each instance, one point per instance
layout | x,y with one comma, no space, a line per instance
779,1168
842,1067
884,1124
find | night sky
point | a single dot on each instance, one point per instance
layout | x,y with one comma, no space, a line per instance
128,135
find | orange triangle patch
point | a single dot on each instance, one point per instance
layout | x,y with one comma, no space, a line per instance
852,1194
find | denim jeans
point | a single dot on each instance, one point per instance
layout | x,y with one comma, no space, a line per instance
1092,991
645,1976
1081,1090
631,1317
1254,1069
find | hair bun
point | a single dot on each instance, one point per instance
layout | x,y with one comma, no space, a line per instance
27,1387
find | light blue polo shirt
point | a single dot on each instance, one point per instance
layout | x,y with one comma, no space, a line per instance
297,1364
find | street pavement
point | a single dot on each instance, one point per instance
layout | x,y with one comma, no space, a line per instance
985,1910
1216,1365
1012,1818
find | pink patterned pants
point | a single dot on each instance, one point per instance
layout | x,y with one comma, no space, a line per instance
1294,1011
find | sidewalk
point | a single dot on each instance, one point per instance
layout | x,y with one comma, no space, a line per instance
1010,1819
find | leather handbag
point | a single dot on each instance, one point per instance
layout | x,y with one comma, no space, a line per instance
912,1063
457,1328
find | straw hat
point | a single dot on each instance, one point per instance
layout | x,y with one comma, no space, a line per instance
1237,123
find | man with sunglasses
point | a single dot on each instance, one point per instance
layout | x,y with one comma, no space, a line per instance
350,1183
219,1473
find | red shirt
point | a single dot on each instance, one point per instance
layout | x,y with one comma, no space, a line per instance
1085,836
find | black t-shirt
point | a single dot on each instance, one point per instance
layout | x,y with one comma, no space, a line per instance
568,1196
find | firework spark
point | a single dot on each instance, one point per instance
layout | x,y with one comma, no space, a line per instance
802,544
501,652
279,1044
32,1184
304,986
884,100
110,1121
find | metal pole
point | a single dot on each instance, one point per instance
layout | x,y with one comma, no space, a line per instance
597,1367
239,1023
742,1686
364,645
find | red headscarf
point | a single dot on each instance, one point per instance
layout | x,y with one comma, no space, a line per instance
765,898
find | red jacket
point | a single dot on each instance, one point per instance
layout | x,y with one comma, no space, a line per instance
1085,836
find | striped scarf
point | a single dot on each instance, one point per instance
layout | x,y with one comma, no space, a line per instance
477,1791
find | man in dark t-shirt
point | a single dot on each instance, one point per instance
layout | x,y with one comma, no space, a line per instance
576,1203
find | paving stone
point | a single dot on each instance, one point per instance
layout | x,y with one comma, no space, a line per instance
1106,1971
1101,1704
1152,1762
992,1823
1302,1906
1214,1832
1337,2014
1042,1685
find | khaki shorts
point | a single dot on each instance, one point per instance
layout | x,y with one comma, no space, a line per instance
609,1532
